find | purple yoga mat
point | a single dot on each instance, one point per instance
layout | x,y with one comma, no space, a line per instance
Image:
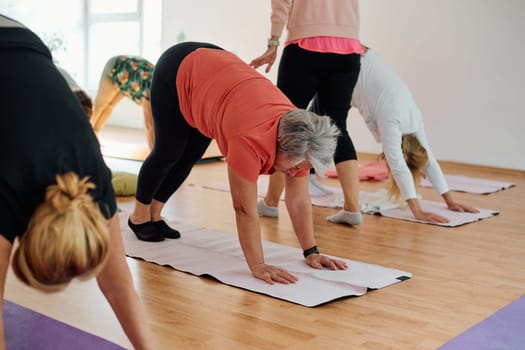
504,330
26,329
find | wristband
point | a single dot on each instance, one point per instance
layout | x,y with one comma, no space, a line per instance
309,251
272,42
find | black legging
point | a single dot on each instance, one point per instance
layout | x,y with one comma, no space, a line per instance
304,74
178,146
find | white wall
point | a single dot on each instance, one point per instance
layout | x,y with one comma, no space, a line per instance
240,26
47,19
461,59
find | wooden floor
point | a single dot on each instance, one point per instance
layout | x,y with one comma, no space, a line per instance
460,277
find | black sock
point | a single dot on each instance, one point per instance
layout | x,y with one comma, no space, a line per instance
147,231
167,231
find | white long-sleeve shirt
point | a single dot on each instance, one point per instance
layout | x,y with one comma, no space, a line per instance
389,110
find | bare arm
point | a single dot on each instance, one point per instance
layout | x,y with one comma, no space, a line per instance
244,198
116,284
300,209
5,253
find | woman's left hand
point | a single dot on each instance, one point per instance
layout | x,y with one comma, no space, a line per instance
318,261
455,206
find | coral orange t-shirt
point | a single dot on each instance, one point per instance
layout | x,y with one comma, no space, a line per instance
227,100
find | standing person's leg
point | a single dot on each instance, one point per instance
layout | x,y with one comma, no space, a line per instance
269,206
314,186
334,99
108,95
148,123
298,81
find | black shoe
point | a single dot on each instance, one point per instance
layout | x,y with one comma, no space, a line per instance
147,231
167,232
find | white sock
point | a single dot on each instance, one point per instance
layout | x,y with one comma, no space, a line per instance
346,217
265,210
315,188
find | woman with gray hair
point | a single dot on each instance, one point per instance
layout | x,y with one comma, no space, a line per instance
201,92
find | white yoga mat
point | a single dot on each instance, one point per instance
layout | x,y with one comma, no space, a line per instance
455,218
476,185
378,203
205,252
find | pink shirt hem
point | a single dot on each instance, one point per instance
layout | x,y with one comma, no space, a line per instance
329,44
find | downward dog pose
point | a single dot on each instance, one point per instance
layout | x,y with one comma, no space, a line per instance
56,198
128,76
201,92
392,116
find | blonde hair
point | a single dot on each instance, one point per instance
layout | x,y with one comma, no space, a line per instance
67,237
416,158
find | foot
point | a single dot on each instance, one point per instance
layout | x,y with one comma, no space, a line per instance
167,231
147,231
265,210
315,188
346,217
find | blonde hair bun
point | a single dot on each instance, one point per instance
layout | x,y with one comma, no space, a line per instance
68,191
67,237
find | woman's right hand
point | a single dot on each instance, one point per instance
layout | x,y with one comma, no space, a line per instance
271,274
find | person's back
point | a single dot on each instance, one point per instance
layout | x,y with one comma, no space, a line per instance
224,98
307,18
382,97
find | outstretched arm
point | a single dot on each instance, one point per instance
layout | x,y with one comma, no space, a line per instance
5,253
116,284
437,178
300,209
244,197
392,140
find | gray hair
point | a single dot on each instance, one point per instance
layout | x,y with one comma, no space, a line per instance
305,135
